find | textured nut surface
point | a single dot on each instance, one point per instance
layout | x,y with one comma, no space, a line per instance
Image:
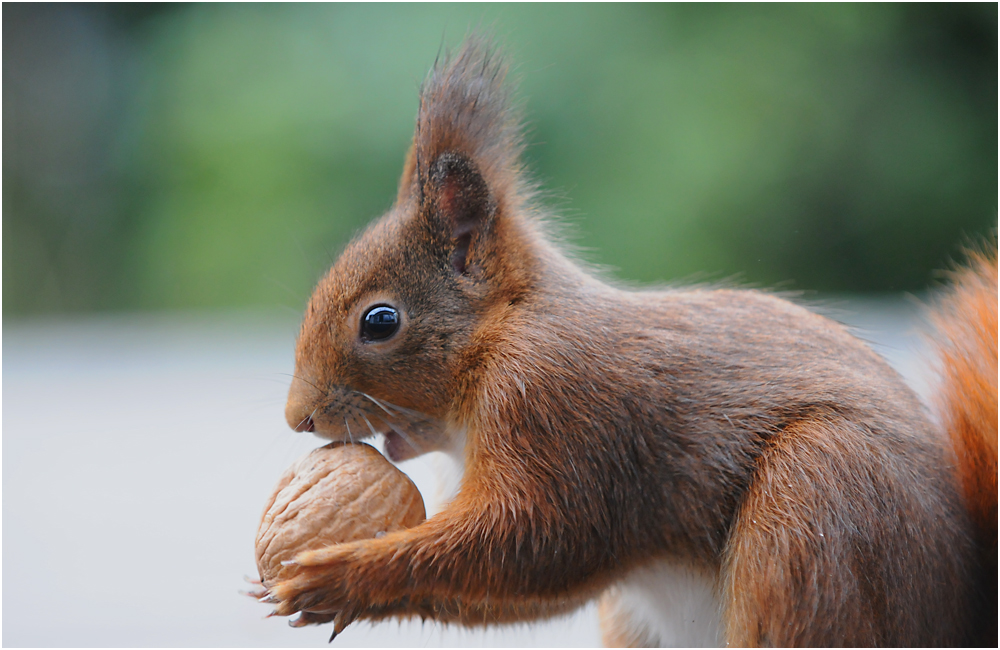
337,493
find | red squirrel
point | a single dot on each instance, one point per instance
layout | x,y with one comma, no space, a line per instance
716,465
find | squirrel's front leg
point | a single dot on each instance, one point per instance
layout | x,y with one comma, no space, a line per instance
472,563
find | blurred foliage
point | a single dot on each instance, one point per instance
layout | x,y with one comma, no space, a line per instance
175,156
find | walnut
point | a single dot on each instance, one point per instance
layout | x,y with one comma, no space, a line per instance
337,493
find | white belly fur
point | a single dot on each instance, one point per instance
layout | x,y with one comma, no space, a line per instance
663,604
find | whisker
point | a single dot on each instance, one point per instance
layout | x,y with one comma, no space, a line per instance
394,407
274,380
402,434
407,411
392,426
349,436
410,413
378,404
294,376
308,417
369,423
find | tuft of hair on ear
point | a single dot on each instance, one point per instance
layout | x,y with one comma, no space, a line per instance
465,110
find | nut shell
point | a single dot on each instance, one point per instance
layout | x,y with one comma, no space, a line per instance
337,493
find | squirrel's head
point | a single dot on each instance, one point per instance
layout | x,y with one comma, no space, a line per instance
395,330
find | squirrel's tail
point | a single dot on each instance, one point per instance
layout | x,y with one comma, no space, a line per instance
966,324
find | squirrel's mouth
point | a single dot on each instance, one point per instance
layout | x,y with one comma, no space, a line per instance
397,449
347,415
403,438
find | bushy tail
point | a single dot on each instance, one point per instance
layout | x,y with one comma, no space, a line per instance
966,324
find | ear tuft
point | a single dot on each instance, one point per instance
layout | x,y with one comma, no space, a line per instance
465,109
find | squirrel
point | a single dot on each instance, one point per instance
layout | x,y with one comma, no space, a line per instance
716,465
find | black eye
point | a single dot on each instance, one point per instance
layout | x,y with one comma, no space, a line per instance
379,323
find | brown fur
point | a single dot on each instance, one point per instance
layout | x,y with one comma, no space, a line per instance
602,428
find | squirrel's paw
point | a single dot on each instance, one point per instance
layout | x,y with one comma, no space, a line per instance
319,593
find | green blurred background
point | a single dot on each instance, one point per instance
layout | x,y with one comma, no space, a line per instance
196,156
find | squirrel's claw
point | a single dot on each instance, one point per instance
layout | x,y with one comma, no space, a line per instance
340,622
303,619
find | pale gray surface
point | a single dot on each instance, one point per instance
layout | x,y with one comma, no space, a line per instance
138,451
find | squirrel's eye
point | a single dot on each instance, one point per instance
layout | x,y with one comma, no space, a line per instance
379,323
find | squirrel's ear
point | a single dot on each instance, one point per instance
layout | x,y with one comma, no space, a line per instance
456,192
465,169
466,148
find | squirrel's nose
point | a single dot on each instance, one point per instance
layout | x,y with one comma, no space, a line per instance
303,401
306,424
